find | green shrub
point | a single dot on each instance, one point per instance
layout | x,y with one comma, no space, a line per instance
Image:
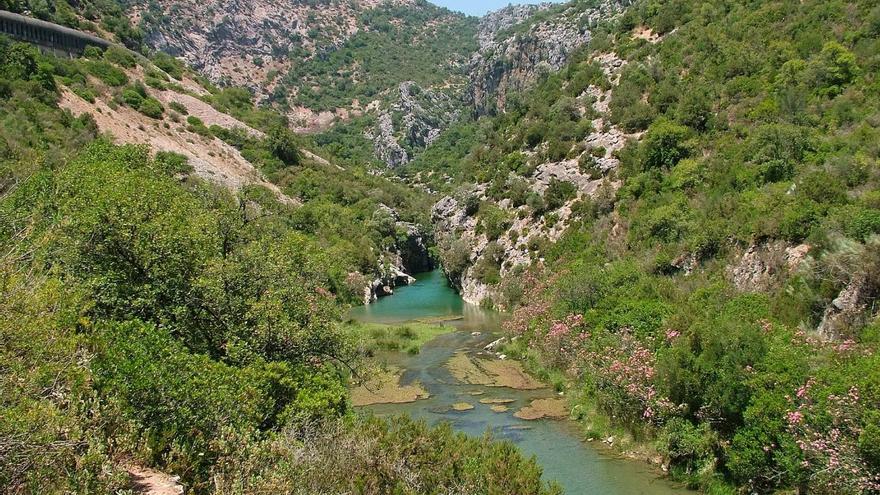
494,221
169,64
107,72
558,193
151,107
664,145
132,98
284,145
833,69
688,447
861,223
178,107
173,163
196,125
120,56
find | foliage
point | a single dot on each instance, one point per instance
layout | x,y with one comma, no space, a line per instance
152,108
148,317
392,47
753,137
372,456
107,73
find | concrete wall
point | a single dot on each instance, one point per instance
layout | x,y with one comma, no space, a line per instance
49,37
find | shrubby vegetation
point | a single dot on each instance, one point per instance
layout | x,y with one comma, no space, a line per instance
149,317
760,128
393,47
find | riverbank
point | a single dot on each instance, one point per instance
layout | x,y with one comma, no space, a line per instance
476,392
603,432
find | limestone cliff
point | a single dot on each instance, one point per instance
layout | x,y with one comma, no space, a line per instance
520,43
477,263
415,119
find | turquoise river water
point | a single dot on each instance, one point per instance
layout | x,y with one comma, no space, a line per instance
580,467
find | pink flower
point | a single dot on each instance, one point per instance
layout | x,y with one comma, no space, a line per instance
558,329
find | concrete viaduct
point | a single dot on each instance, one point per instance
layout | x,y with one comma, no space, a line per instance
51,38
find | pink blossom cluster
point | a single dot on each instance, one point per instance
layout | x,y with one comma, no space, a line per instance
620,366
535,310
827,433
625,374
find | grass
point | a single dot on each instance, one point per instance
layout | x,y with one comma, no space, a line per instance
406,337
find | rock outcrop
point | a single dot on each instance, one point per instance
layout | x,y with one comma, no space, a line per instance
385,142
241,41
409,255
761,266
517,47
478,265
412,123
848,310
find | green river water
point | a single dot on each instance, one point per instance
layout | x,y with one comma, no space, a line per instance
580,467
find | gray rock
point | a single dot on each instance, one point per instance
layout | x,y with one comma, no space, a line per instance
759,267
385,145
412,123
516,60
847,309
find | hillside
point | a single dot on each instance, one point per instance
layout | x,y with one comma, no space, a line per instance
172,302
683,221
316,61
676,203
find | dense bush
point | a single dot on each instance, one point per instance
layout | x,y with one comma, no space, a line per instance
151,107
372,456
393,47
760,130
107,73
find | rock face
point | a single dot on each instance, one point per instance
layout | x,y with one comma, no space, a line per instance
411,123
409,255
474,263
516,48
241,41
847,309
760,266
385,145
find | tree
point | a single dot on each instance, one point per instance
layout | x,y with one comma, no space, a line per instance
283,145
664,145
833,69
558,193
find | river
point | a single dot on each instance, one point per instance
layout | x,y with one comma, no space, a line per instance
578,466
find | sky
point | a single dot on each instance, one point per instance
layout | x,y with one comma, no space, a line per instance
480,7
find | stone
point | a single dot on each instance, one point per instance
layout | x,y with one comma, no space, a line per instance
850,305
515,61
422,113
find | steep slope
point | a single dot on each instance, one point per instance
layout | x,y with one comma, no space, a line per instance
501,227
198,130
319,61
519,44
717,292
211,158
